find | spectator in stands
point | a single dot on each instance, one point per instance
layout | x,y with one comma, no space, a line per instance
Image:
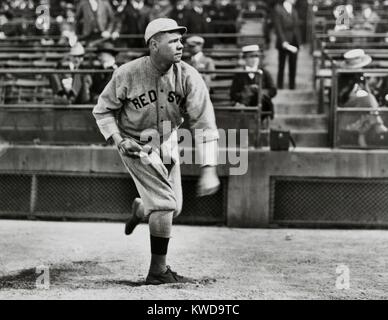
72,88
287,23
4,19
133,20
268,24
199,19
368,19
184,15
68,35
245,87
22,8
160,9
95,19
379,88
106,55
198,59
66,15
354,92
223,15
118,5
351,84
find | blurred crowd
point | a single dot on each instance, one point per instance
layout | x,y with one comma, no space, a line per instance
91,19
357,15
103,24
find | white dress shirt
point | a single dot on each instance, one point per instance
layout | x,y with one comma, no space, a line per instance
287,6
94,5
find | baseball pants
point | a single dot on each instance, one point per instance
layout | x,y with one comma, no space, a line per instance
160,188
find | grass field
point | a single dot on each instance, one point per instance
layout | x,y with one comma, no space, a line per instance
96,261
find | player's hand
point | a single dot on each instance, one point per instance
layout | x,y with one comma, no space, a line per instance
130,148
208,183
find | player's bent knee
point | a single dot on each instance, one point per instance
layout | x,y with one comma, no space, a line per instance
160,223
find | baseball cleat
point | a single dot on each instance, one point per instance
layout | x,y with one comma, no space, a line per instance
131,224
167,277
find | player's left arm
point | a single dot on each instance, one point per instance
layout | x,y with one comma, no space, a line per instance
202,120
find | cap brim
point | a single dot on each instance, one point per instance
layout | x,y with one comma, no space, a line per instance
181,30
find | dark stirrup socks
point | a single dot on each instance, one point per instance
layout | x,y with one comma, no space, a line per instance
159,245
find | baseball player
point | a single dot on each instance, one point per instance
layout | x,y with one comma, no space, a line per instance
150,94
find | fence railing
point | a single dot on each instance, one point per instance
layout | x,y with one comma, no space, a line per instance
74,124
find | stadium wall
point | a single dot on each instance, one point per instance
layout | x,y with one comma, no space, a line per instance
249,198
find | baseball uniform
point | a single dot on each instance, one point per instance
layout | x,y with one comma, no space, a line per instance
139,97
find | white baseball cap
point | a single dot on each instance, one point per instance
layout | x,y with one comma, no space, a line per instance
162,25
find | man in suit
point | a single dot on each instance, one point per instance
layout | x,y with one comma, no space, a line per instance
72,88
106,55
287,26
133,20
245,86
95,19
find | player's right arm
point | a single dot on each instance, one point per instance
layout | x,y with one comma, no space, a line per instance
109,102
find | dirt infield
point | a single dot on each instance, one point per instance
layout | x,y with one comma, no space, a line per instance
96,261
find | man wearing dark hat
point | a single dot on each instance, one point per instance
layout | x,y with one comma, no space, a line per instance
72,88
150,96
245,86
106,55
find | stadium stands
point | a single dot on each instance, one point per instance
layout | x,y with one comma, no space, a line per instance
30,116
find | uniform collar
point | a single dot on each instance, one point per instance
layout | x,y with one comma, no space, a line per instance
154,70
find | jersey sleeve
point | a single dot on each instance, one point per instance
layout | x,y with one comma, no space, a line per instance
202,118
108,103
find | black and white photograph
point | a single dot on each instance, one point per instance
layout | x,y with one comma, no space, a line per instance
209,151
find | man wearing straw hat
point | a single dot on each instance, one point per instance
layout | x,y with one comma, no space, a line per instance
354,92
150,95
245,87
